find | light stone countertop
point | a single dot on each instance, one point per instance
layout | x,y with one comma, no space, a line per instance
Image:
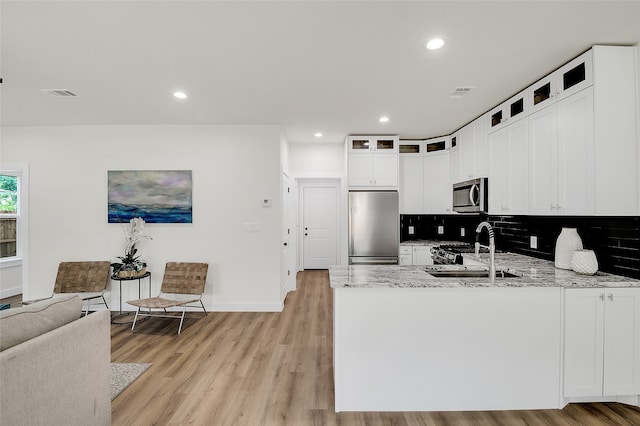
532,272
431,243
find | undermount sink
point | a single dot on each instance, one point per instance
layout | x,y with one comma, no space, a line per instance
469,273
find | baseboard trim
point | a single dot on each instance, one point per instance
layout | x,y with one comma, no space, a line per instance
245,307
231,307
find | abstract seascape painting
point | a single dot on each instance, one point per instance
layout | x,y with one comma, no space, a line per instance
157,196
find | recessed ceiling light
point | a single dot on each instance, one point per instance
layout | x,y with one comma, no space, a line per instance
180,95
435,43
318,135
383,119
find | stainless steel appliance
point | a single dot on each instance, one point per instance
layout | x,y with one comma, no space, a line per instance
471,196
374,227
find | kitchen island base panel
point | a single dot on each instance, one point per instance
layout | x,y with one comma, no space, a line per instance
444,349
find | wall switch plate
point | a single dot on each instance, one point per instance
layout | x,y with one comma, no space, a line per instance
412,230
440,230
462,232
533,242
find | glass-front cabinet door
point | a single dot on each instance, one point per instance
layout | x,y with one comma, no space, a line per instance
565,81
575,75
386,144
373,143
360,144
542,93
414,147
509,111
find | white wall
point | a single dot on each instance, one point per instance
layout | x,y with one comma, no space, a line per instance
234,167
316,160
319,161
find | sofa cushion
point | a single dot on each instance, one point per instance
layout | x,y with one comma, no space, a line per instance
21,324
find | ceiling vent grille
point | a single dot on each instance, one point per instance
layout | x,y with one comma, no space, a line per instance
461,91
60,93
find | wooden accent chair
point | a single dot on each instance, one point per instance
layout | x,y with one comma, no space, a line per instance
183,283
86,279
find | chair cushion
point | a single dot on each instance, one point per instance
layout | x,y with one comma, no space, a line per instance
21,324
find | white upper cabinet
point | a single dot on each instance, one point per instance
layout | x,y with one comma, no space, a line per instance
424,176
561,160
373,162
567,80
411,188
438,195
472,146
454,158
466,153
617,146
509,170
583,148
380,144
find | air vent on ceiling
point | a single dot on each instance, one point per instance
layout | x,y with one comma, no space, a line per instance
461,91
60,93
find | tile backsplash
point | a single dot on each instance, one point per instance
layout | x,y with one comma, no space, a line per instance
615,240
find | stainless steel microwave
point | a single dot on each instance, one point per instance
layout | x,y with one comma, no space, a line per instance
471,196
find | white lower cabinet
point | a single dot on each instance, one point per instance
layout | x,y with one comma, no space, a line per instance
415,255
602,342
406,256
422,255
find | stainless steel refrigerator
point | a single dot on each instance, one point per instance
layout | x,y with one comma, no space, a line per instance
374,227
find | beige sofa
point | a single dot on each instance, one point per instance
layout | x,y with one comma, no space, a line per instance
55,364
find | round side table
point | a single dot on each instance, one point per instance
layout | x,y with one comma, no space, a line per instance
117,318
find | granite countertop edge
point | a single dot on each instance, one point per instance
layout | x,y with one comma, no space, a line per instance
532,272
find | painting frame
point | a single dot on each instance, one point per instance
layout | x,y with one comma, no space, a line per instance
157,196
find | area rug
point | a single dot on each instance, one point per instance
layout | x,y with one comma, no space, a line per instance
122,375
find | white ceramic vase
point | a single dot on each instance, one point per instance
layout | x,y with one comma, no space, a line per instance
584,262
568,241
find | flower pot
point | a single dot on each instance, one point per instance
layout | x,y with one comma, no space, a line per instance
568,242
132,273
584,262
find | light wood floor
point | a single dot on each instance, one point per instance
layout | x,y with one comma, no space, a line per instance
276,369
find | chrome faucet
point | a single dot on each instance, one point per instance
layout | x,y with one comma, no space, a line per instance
491,247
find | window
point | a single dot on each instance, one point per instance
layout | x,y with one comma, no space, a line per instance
10,213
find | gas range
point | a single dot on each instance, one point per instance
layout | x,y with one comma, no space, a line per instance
451,254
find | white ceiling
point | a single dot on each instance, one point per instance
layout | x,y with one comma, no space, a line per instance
309,66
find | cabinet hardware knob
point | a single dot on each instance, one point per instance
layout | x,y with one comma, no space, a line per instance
611,296
285,244
601,296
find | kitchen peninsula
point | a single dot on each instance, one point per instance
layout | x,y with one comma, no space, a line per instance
405,340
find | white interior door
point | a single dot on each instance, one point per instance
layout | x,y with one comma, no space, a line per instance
320,226
284,240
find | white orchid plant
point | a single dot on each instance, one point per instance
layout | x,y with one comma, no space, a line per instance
133,233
